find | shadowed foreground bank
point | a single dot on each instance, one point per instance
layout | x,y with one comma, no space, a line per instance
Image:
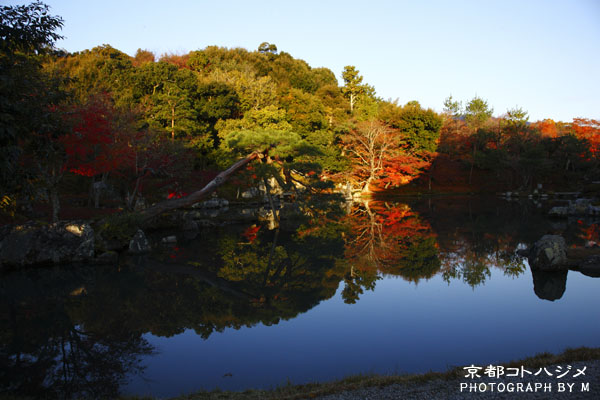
447,385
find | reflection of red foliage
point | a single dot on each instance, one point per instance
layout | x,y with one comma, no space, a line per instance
590,233
251,233
381,235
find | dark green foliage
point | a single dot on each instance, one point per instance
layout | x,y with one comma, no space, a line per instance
420,128
28,29
278,143
420,259
330,157
570,155
198,61
27,94
216,101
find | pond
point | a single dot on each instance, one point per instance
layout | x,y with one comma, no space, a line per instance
386,287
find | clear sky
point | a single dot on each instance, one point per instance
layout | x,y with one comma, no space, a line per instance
541,55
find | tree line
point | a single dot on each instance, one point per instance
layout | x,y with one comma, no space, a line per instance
142,124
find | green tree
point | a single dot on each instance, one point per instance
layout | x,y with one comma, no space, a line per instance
216,102
254,92
283,151
452,108
28,29
198,61
419,128
353,87
268,118
305,111
27,94
516,118
169,95
266,47
477,112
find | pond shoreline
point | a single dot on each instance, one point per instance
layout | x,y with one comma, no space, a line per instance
432,384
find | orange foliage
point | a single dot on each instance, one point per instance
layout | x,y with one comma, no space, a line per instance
588,129
547,128
402,169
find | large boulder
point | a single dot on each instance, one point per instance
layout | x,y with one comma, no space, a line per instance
34,243
549,253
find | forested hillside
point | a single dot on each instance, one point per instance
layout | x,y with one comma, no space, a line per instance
156,126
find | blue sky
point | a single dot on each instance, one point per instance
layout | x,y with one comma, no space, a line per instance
543,56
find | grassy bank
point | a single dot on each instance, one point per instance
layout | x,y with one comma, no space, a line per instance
312,390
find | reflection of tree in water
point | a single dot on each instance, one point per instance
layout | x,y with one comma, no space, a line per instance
388,239
69,332
469,258
393,239
46,347
289,272
478,234
238,277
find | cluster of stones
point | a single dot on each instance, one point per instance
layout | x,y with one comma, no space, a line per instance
577,207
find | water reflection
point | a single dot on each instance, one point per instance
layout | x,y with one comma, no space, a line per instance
72,332
52,343
549,285
394,239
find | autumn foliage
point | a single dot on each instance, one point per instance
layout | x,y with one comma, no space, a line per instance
588,129
391,239
95,145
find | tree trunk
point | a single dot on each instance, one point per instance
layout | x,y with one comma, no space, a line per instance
172,204
367,188
472,163
271,203
55,203
172,123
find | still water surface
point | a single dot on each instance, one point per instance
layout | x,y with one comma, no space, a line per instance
389,288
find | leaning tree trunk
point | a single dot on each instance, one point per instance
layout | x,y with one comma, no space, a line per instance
172,204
